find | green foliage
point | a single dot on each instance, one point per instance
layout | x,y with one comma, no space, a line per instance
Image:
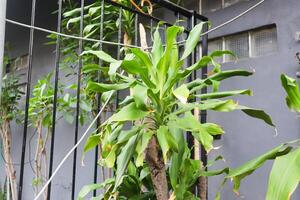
11,94
292,90
163,110
284,177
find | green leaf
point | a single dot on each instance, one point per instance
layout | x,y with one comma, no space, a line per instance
84,105
113,67
192,41
124,159
225,106
157,49
128,113
259,114
139,94
101,55
182,93
103,87
141,147
163,65
110,159
91,142
144,57
212,129
217,95
89,188
285,176
292,89
220,53
166,141
89,28
249,167
200,132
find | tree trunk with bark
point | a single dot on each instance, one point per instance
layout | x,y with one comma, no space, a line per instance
9,167
202,187
156,165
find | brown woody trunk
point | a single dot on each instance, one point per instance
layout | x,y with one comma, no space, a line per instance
156,164
202,187
9,167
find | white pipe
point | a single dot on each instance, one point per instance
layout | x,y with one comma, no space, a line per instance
2,39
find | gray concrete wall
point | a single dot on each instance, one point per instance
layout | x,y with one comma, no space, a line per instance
247,138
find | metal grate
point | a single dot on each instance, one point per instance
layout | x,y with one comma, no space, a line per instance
239,44
216,45
264,42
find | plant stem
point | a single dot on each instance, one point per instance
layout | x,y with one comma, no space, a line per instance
156,164
10,171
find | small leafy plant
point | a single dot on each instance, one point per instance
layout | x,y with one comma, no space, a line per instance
9,110
144,141
40,115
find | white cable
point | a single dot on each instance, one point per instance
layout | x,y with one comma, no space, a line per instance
229,21
68,36
73,148
128,45
111,93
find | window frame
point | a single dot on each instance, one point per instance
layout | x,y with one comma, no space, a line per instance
250,45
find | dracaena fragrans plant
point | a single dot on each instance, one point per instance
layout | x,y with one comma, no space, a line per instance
144,141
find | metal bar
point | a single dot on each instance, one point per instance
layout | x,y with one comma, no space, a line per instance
138,12
190,138
203,116
173,7
29,71
136,21
151,31
80,48
119,49
99,100
56,79
2,40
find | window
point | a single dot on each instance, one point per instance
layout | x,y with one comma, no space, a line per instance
214,5
211,5
215,45
264,42
239,44
228,3
254,43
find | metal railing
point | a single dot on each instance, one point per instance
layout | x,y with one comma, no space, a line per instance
192,19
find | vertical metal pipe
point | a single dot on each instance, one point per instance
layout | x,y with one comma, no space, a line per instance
29,71
119,33
151,31
99,100
56,79
80,48
2,39
204,113
119,49
136,21
204,90
190,138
